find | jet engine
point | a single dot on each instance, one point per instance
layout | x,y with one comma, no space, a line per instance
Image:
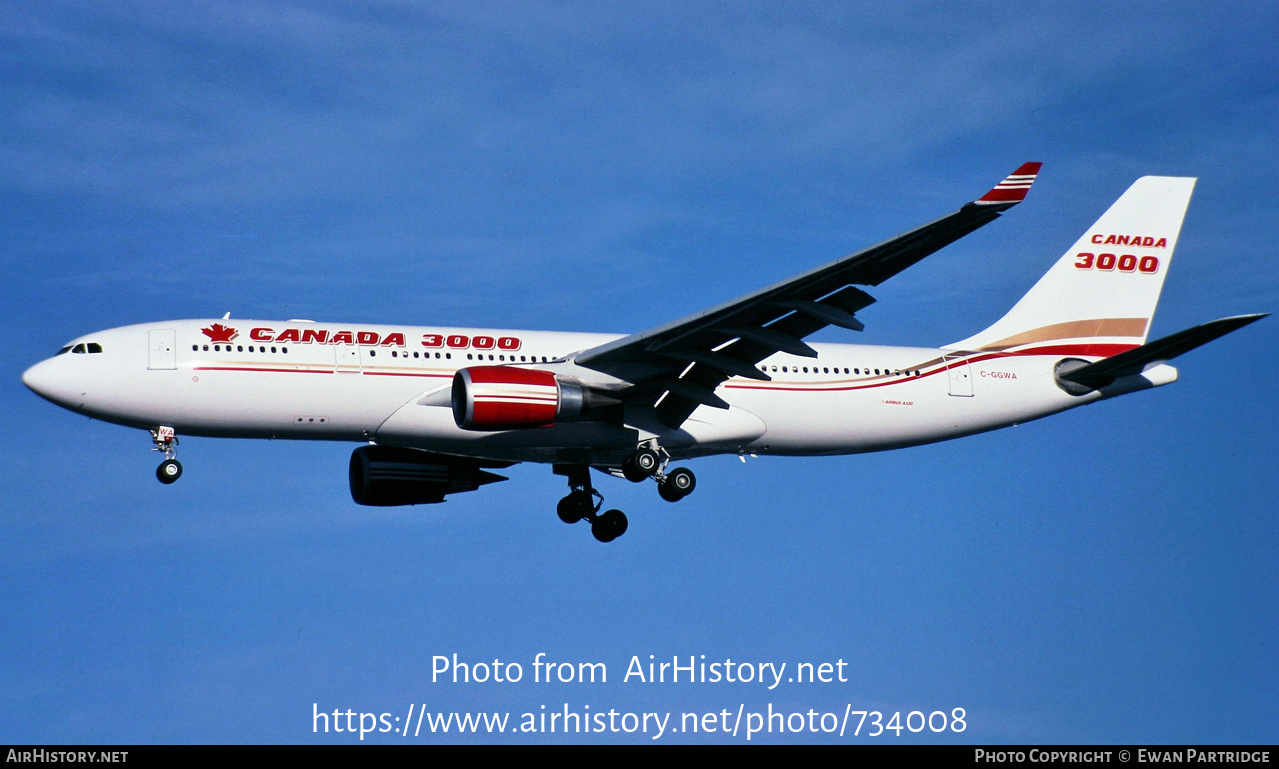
384,476
508,398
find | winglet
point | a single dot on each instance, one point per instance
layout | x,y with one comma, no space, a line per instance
1012,189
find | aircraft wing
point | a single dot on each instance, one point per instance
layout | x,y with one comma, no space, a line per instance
677,366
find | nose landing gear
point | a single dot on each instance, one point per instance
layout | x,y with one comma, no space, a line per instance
166,440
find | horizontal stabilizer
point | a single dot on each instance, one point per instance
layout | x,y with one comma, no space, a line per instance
1103,372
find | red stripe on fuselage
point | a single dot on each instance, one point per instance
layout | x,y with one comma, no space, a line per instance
1091,350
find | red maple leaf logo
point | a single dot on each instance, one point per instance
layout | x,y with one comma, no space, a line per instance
220,333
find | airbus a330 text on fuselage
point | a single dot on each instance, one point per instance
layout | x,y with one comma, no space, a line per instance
438,409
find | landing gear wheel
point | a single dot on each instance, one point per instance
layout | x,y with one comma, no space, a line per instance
677,484
609,526
576,506
642,464
169,471
632,473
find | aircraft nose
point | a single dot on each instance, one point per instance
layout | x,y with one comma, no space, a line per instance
43,380
35,378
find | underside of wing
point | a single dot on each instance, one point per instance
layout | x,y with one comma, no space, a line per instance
677,366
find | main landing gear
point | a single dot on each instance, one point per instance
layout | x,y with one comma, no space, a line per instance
648,462
581,504
584,502
166,440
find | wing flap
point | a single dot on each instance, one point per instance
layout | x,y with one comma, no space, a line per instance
827,314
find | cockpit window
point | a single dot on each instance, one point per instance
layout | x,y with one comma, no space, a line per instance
78,349
64,350
94,347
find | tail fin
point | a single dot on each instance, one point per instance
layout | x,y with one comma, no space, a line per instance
1099,298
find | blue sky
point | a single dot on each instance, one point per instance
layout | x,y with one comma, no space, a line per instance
1106,575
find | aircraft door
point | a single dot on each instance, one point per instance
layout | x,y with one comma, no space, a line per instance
960,380
347,358
162,349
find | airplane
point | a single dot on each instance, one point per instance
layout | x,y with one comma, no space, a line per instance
439,409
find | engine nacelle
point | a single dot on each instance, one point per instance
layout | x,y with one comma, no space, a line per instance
508,398
383,476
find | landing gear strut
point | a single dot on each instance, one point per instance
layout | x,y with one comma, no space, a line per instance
581,504
166,440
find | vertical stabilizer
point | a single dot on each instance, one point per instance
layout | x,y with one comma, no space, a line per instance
1099,298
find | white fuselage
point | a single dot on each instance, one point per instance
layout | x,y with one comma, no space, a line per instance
390,384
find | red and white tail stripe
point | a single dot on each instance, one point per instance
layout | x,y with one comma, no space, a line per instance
1014,188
